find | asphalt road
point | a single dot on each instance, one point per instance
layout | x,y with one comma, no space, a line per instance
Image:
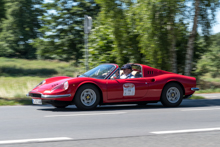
193,123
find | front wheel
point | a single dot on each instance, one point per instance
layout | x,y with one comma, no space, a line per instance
87,97
172,95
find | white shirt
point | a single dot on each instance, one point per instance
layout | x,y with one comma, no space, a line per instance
129,76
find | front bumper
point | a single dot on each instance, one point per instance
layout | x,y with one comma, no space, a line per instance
39,95
195,89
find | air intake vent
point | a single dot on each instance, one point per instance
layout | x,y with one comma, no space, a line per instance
35,95
150,72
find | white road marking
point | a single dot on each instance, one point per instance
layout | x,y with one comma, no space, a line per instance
186,131
201,109
85,114
34,140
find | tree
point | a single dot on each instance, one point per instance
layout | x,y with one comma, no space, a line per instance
102,48
158,23
62,29
145,32
123,18
204,15
19,28
2,9
210,62
153,32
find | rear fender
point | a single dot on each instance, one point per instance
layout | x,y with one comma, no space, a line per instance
175,81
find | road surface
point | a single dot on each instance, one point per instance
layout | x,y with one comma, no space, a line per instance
193,123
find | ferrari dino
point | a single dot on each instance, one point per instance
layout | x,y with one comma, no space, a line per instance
100,86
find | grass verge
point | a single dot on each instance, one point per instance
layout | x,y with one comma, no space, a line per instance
213,90
11,67
12,102
17,87
196,97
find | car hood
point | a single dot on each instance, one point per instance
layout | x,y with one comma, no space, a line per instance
52,83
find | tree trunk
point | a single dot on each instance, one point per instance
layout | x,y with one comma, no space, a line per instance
190,44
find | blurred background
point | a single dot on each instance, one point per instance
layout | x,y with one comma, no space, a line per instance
44,38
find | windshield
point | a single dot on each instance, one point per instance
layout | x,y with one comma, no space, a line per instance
99,72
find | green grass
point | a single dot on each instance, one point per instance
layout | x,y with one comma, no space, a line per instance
19,76
17,87
215,90
196,97
41,68
11,102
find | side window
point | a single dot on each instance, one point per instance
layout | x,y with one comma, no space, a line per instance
137,71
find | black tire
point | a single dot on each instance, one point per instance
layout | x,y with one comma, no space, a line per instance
59,106
87,97
172,95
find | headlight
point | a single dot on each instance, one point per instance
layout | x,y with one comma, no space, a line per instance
61,87
41,83
66,85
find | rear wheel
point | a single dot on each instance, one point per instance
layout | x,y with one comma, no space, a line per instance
172,95
87,97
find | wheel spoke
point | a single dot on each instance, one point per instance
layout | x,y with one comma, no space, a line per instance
88,97
173,95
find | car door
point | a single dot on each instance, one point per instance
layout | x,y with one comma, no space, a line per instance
122,89
114,89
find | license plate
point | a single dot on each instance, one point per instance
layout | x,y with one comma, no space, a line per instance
37,101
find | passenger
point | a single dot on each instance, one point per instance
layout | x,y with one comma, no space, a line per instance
127,69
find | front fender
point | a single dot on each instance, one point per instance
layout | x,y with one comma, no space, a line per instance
102,88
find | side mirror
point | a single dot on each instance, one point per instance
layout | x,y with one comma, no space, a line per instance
77,75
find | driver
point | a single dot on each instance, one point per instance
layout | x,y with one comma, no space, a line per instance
127,69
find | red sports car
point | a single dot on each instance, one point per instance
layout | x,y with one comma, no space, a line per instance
102,85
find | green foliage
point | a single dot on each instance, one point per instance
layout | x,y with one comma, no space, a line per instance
63,30
140,30
210,62
2,9
207,15
19,28
155,35
120,20
143,32
114,12
204,16
101,43
124,31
